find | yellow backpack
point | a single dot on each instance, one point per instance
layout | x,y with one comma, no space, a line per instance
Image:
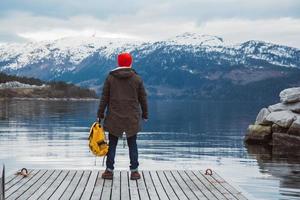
97,141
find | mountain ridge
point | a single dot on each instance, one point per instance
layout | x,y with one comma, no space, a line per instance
186,62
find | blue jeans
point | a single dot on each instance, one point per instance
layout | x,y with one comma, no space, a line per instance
133,152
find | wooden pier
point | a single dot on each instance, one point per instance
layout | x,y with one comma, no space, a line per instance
88,184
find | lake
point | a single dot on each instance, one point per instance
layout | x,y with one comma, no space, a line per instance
178,135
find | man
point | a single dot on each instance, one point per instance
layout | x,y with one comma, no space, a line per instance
125,100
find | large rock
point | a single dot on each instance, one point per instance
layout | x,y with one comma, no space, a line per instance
261,117
258,134
286,141
282,118
278,129
295,128
295,107
279,124
290,95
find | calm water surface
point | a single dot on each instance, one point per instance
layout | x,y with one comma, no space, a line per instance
179,135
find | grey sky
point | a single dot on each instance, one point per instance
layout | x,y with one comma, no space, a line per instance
276,21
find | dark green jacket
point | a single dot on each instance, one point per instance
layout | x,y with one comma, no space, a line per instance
125,100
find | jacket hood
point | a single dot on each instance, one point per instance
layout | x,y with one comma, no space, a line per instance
123,73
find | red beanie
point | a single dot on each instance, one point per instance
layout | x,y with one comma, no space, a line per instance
124,60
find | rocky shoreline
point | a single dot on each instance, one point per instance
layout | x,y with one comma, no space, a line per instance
279,124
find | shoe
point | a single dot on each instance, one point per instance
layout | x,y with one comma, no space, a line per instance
107,175
135,176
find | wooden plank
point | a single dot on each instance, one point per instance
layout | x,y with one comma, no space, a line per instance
55,185
207,193
176,187
238,195
63,186
37,185
164,183
125,185
211,185
2,182
150,186
23,188
133,190
197,191
10,178
218,186
17,179
191,185
90,185
72,186
45,186
208,185
183,185
96,195
107,188
20,183
116,186
159,188
143,192
80,187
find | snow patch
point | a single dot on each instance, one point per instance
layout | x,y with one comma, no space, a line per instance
196,40
16,84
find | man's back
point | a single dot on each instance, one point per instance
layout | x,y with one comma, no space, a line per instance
124,95
124,85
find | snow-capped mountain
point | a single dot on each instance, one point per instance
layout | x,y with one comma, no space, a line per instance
186,62
63,52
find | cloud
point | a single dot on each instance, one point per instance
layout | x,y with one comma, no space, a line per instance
199,9
67,8
281,31
234,20
10,37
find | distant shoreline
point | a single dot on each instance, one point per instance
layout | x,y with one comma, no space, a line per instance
50,99
24,88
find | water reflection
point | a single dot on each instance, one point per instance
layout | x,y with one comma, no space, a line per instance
284,166
179,135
